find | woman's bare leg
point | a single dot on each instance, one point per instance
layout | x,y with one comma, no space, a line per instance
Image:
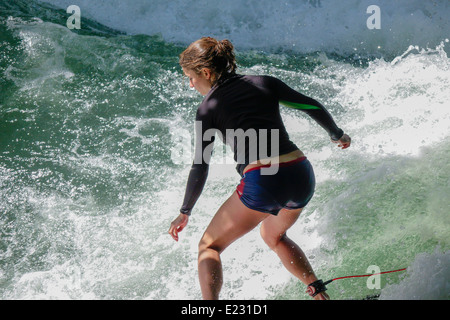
273,231
232,220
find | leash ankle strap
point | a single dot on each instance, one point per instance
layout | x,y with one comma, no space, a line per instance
315,288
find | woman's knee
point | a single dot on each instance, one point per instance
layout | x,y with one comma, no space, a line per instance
207,242
273,229
272,239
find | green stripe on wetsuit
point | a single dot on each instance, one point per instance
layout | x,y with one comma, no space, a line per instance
298,105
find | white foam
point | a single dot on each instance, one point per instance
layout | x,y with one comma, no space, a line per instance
405,104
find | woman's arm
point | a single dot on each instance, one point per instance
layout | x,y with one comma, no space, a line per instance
197,175
194,187
294,99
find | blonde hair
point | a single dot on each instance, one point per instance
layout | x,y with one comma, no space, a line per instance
207,52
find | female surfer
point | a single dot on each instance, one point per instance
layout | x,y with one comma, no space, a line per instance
274,198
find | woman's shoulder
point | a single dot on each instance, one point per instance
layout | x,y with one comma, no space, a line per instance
261,79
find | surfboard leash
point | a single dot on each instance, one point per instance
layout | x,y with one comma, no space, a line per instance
319,286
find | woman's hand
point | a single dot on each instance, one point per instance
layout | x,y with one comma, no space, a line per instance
177,225
344,142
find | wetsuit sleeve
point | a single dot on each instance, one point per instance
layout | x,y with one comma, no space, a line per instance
194,187
204,140
294,99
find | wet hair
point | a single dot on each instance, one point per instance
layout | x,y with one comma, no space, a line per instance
207,52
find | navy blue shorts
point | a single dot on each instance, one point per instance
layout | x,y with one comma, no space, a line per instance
291,187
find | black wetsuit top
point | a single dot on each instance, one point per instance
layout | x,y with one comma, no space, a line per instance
247,102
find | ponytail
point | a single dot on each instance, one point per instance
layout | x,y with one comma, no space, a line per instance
207,52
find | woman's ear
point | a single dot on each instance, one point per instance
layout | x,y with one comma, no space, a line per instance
206,73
